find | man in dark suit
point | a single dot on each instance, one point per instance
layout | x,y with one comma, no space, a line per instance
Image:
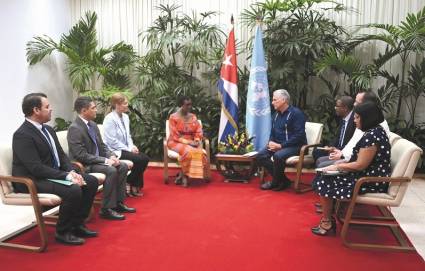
344,110
38,155
87,147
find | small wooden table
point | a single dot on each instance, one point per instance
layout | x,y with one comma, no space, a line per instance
235,167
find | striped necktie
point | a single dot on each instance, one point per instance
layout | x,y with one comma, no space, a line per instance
54,158
92,134
341,134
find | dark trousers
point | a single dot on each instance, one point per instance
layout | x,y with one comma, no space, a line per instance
140,161
276,167
319,153
76,201
114,185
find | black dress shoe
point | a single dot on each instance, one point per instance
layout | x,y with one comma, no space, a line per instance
110,214
82,231
68,238
267,186
122,208
282,186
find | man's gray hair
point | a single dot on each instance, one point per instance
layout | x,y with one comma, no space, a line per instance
283,93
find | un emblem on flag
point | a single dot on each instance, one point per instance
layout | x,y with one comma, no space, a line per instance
258,94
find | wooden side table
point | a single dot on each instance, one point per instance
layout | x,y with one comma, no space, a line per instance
235,167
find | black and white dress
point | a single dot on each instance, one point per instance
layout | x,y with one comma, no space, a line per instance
341,186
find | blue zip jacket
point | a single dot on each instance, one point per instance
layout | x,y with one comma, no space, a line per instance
288,128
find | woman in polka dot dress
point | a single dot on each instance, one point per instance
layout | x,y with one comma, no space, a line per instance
371,157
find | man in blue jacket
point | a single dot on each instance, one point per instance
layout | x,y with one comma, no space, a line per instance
286,139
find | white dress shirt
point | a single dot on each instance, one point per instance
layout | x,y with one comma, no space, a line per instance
347,151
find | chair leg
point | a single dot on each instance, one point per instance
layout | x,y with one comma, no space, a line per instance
403,246
165,170
207,172
42,231
297,181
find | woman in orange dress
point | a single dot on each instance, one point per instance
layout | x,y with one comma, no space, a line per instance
185,139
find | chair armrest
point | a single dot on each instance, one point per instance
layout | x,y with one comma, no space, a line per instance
29,184
79,166
207,148
376,180
27,181
165,147
304,149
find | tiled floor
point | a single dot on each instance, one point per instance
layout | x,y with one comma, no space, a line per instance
410,215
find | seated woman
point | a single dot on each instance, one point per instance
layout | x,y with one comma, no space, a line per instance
117,137
185,139
371,157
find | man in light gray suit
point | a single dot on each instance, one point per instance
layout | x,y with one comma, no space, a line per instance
87,147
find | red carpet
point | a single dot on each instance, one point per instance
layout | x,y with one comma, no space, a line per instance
215,226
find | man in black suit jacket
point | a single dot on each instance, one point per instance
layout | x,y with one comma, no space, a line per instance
87,147
38,155
344,110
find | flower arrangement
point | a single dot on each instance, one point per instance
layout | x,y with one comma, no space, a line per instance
239,143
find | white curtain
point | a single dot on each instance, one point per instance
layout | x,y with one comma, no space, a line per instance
123,20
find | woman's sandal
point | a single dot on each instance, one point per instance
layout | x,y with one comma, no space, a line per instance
128,191
179,179
135,191
324,228
184,181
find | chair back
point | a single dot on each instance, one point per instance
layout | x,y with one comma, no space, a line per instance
313,132
101,129
62,137
167,129
393,137
6,157
63,141
404,159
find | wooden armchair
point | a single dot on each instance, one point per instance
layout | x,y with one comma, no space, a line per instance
404,158
34,199
305,158
170,155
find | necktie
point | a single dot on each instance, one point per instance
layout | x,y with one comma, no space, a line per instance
341,134
92,134
55,160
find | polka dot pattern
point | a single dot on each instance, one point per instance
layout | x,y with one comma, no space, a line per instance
341,186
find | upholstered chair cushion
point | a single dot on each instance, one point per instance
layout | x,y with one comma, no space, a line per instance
404,158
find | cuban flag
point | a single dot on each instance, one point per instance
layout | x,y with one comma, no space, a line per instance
258,118
228,90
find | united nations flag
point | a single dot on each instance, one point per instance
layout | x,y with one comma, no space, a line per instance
258,119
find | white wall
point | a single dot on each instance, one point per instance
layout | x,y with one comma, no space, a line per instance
19,22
